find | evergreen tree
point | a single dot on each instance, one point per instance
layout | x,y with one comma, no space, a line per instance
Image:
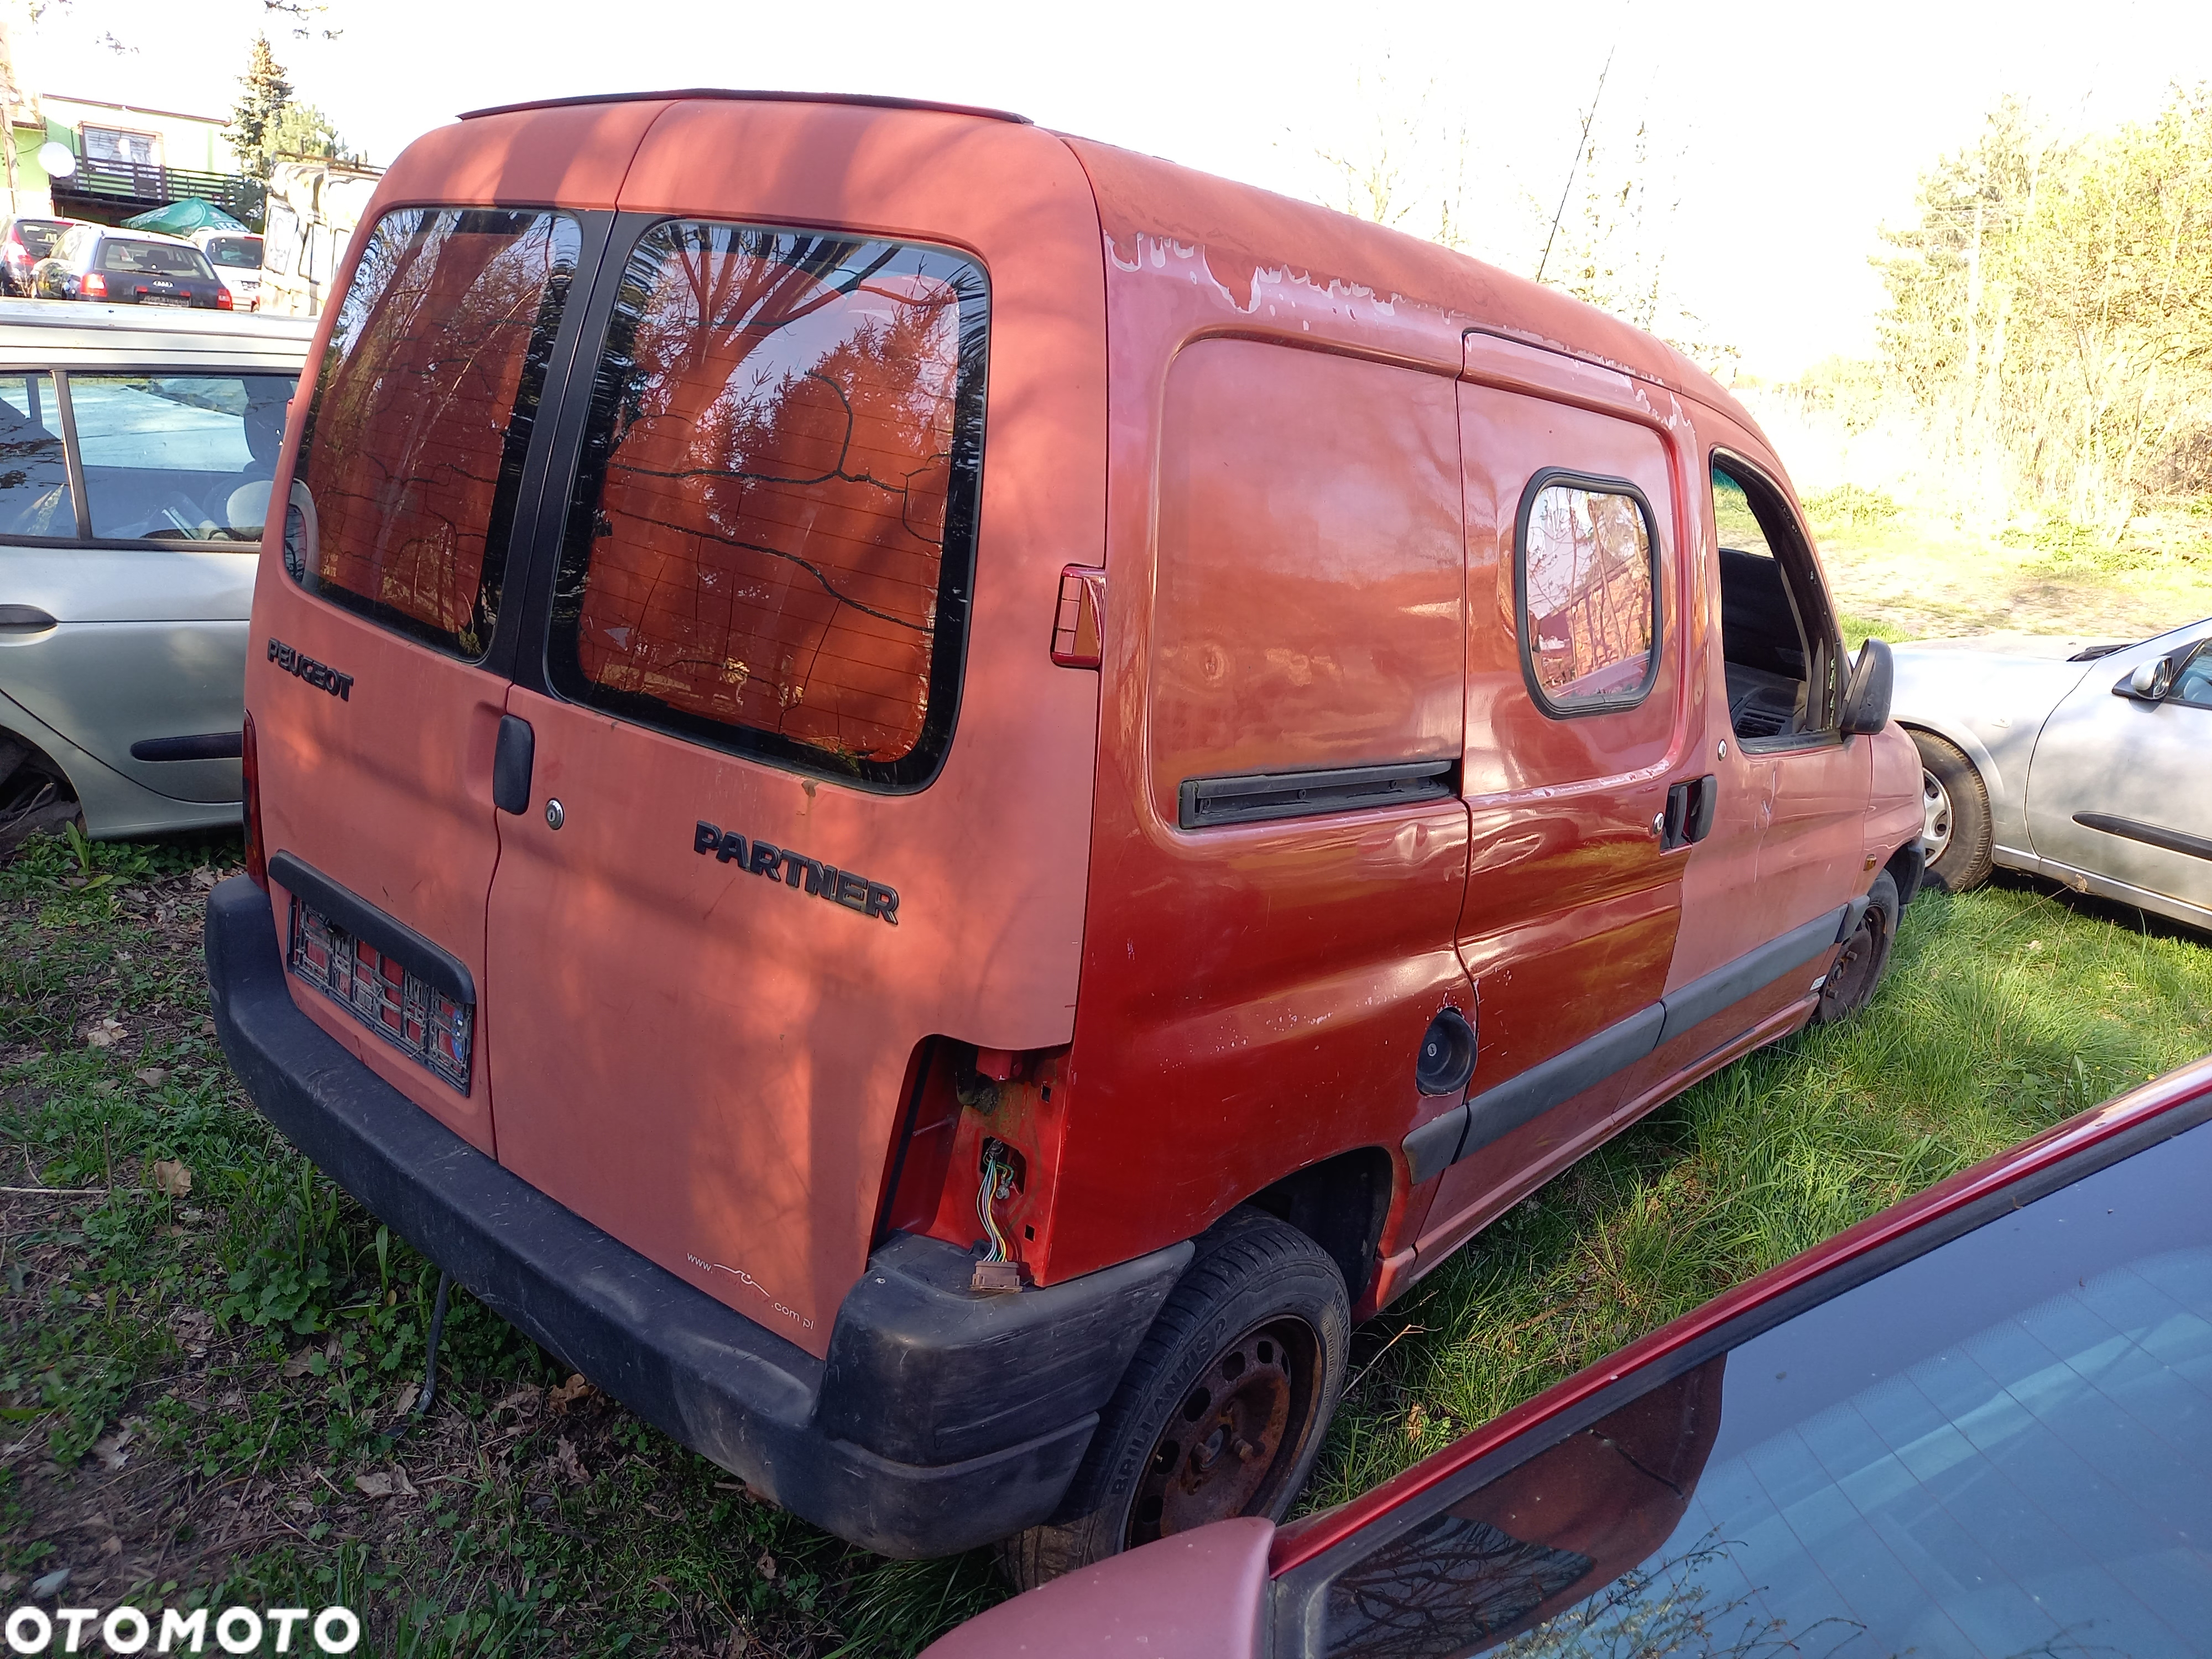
264,96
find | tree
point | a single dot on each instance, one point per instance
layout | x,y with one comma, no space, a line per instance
264,96
302,130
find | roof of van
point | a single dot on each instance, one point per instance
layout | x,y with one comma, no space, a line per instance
1242,229
69,334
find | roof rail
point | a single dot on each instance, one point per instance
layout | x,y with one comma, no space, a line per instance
870,99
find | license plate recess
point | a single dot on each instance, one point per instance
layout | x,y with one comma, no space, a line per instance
423,1023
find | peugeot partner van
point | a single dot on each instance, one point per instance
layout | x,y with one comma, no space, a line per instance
935,797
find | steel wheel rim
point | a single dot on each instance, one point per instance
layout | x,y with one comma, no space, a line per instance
1935,815
1230,1443
1850,982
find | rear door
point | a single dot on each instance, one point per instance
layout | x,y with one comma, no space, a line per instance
1575,651
806,788
373,676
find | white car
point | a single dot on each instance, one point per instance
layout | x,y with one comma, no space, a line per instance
2088,763
135,453
236,257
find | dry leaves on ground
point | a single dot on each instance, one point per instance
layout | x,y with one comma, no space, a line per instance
171,1179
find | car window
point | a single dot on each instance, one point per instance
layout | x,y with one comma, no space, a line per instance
1585,580
152,259
2001,1446
771,538
2193,685
178,457
234,253
423,416
39,238
34,488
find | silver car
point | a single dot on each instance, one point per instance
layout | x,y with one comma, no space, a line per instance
2090,763
136,452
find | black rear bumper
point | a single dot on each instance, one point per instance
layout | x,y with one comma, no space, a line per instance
941,1419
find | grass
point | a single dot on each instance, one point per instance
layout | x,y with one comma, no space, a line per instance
199,1389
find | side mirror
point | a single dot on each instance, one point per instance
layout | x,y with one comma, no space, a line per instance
2151,682
1866,699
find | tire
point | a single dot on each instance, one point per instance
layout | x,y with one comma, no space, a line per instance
1859,966
1253,1335
1956,804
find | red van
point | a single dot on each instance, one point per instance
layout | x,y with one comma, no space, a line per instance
935,797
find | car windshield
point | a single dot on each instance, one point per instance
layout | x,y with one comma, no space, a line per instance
2001,1446
152,259
235,252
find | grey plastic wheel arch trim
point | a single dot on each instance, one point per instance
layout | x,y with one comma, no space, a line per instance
1498,1111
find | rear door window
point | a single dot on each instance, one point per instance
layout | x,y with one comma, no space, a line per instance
422,418
34,486
770,541
178,457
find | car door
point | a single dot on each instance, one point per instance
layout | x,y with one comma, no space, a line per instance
2121,787
1576,737
130,619
792,702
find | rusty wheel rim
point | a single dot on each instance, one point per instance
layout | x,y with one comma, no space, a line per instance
1232,1440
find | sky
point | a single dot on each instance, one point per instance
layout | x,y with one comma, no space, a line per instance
1771,143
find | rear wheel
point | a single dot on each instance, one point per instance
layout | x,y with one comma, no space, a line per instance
1223,1409
35,797
1860,965
1955,815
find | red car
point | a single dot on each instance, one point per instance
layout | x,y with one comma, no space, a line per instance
24,244
1025,781
1979,1423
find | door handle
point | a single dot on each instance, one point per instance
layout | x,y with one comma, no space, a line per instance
25,619
1689,815
511,764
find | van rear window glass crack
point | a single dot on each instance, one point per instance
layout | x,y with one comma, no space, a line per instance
769,547
422,415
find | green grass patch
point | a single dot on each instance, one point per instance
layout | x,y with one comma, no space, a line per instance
204,1392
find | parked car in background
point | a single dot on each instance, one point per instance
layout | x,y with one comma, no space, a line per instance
22,245
236,257
136,450
2090,765
128,267
1979,1423
1405,792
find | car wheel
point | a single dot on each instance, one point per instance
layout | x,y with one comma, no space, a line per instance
1955,808
1222,1410
1859,966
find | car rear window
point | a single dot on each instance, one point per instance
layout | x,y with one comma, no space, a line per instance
178,457
770,541
152,259
235,252
38,237
414,444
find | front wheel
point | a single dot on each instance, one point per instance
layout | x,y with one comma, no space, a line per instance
1849,985
1954,805
1221,1412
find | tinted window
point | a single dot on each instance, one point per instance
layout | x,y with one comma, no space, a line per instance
235,252
178,457
770,543
34,488
422,415
2003,1446
1585,580
152,259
